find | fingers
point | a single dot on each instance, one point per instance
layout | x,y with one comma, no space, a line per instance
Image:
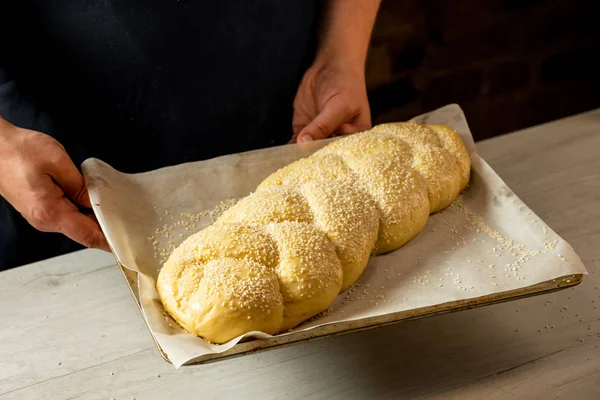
62,169
337,118
293,139
60,215
42,183
335,113
82,229
361,122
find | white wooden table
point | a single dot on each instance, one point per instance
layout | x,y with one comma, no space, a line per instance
69,328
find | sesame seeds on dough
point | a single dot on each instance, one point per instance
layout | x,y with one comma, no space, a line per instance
280,256
239,290
400,195
452,143
324,168
232,240
349,218
431,160
273,204
309,271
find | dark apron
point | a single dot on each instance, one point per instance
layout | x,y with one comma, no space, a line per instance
143,85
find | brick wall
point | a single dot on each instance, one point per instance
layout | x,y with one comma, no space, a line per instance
509,63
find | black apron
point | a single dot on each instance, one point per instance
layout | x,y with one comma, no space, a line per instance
147,84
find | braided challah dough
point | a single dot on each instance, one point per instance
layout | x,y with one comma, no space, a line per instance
282,254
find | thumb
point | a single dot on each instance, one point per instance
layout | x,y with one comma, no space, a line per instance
334,115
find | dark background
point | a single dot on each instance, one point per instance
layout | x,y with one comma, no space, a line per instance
509,64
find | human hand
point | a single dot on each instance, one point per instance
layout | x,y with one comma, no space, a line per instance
331,100
39,179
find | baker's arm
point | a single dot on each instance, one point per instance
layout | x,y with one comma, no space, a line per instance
346,31
332,96
37,176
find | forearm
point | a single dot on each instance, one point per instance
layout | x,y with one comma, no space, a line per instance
346,31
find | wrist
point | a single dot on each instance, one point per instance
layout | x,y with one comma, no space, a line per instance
3,123
5,126
336,59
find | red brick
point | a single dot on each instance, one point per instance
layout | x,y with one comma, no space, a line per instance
491,117
408,56
397,18
399,114
499,41
522,4
572,65
458,87
378,69
392,95
500,47
506,77
551,104
564,24
461,15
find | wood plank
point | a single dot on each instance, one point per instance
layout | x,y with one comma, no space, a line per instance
74,310
404,361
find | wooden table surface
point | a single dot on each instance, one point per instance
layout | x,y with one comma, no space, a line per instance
71,330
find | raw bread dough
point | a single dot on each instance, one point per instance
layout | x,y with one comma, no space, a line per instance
282,254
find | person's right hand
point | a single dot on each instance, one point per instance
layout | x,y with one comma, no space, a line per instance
39,179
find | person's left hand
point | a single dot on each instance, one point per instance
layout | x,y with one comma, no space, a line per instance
331,100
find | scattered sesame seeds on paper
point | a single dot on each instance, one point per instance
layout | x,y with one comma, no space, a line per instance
487,242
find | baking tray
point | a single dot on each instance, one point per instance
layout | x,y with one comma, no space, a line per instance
488,184
260,345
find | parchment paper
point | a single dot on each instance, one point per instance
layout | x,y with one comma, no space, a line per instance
487,242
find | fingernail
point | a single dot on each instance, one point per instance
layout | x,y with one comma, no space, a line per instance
305,138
